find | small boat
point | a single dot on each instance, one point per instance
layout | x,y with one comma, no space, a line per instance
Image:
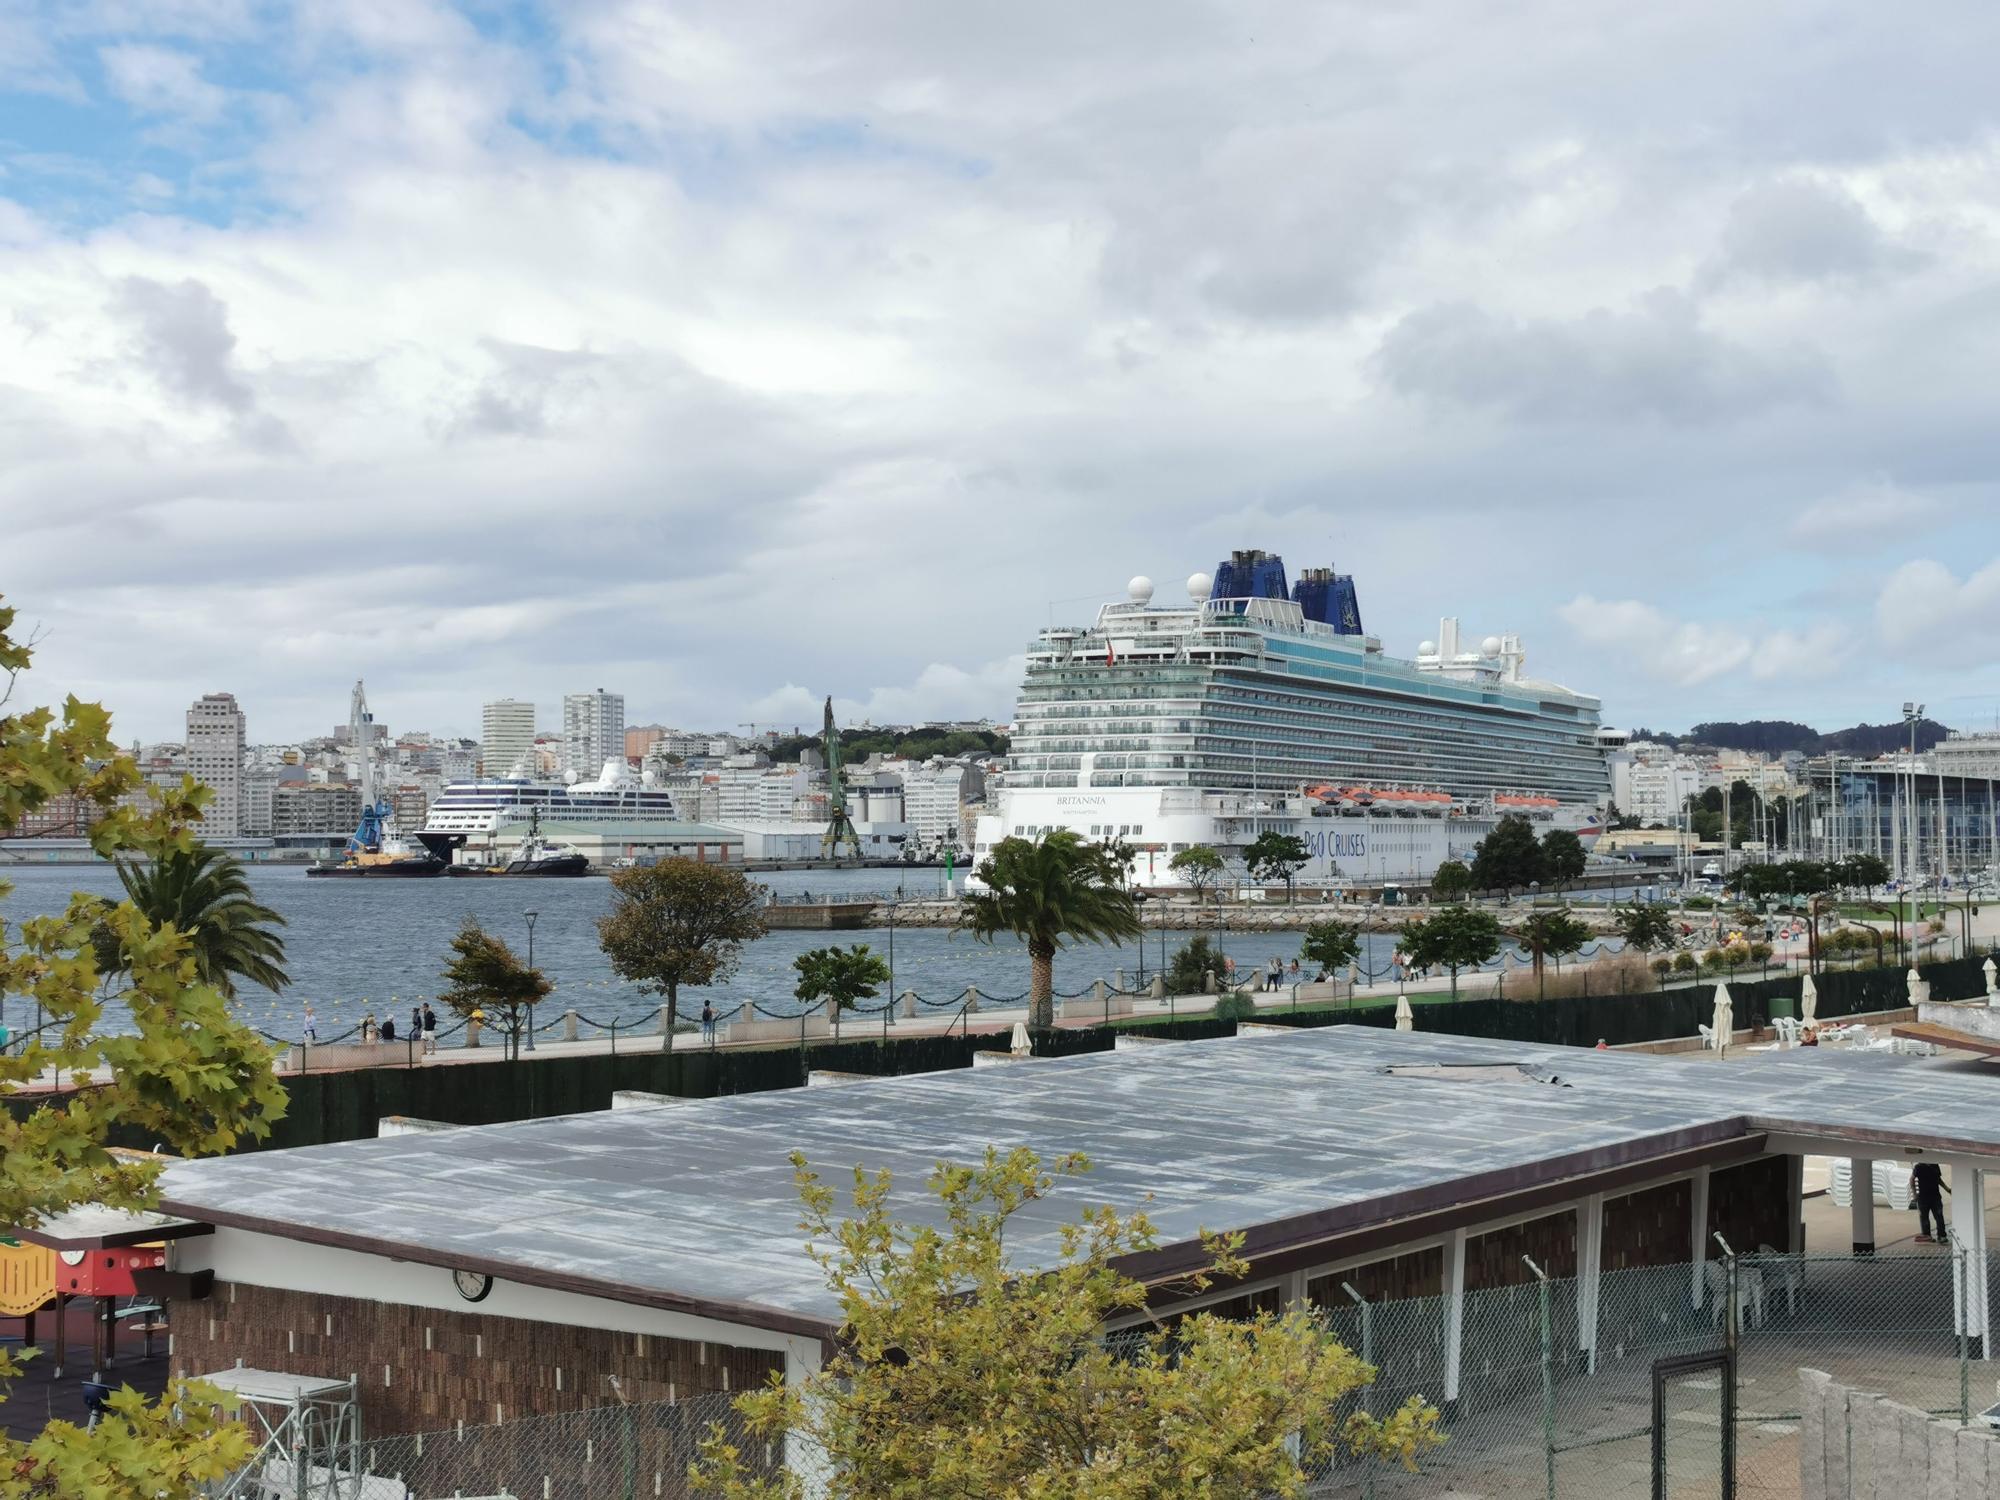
536,857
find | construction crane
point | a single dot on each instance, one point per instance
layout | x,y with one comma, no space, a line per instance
367,838
839,827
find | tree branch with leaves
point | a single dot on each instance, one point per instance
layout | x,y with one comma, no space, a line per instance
959,1374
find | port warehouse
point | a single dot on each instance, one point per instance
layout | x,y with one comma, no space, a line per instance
660,1245
345,1105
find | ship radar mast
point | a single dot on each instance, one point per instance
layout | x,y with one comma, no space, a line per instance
840,827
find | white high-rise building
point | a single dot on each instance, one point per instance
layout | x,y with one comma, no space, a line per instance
215,759
507,738
593,732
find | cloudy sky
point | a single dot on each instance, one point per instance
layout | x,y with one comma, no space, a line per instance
730,354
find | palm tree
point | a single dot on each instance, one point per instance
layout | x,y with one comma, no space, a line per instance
204,894
1050,891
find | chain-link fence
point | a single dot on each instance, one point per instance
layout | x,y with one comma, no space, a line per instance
638,1452
1553,1387
1555,1382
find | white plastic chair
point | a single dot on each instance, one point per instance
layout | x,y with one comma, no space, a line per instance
1707,1035
1787,1028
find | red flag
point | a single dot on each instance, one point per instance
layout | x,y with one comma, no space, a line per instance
1110,656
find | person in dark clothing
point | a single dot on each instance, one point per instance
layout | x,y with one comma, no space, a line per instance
1927,1186
388,1028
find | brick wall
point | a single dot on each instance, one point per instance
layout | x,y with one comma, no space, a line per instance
1747,1206
423,1369
1494,1260
1653,1227
1420,1273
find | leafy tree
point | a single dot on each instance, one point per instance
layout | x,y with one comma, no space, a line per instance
1456,937
1865,871
1193,966
1547,933
1330,947
842,975
186,1074
1451,882
1050,891
1199,866
957,1374
486,978
1645,926
204,893
1562,856
679,922
1276,856
1509,858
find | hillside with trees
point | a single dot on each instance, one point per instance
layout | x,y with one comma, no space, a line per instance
920,743
1776,736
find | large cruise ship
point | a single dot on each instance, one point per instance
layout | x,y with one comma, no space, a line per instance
473,811
1254,708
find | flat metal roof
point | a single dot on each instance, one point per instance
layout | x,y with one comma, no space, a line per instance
92,1226
1299,1139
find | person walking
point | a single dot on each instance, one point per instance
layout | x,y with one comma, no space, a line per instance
430,1029
1927,1187
416,1023
311,1024
708,1022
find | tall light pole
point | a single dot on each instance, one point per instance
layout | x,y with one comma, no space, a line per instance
1912,713
531,915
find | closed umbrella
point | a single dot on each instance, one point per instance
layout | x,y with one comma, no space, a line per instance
1725,1018
1808,1002
1022,1047
1406,1019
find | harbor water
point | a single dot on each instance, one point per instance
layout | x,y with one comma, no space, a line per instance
359,946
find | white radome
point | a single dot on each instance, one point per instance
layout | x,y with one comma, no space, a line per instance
1490,646
1199,587
1140,590
1428,648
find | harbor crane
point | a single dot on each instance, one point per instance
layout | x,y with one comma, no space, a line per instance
839,827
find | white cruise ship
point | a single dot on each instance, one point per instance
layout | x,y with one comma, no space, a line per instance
1252,708
474,811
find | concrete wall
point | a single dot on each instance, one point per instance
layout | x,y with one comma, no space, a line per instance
1857,1446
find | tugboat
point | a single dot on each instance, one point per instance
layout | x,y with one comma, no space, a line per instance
535,857
373,849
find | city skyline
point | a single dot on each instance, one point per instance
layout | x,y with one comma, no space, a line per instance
507,349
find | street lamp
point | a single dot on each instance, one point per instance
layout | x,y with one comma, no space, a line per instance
531,915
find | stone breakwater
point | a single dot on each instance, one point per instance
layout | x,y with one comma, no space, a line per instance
1183,916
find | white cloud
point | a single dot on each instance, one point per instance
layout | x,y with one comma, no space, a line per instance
1925,605
163,81
1877,511
940,691
1692,653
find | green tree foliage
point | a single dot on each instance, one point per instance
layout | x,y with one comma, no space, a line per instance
1193,966
1199,865
204,893
914,744
1454,938
1276,856
842,975
1861,871
1509,858
1049,892
187,1074
1645,926
1562,857
1329,947
486,978
958,1375
1452,881
679,922
1550,934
